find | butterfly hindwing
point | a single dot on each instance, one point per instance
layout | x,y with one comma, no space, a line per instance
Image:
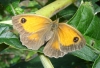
52,48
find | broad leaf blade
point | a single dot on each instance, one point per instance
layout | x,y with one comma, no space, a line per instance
97,63
8,37
88,24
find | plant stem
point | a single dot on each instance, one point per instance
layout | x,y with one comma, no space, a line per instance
54,7
7,22
45,61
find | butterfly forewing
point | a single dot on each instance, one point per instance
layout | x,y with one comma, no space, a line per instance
33,29
69,38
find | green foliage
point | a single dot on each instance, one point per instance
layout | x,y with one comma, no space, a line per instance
8,37
85,18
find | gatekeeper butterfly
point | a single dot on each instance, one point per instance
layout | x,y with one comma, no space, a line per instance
36,30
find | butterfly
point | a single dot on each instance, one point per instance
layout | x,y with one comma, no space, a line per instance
36,30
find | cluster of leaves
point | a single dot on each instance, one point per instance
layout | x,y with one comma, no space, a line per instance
85,18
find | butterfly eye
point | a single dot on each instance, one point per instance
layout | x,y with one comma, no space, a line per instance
75,39
23,20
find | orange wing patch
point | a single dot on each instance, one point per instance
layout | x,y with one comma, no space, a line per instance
34,36
52,48
33,23
55,45
67,35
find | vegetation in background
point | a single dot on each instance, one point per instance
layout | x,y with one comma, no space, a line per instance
84,15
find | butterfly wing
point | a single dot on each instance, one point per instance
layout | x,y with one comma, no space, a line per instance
32,29
70,39
52,48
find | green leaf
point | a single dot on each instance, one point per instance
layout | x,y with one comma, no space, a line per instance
26,7
83,17
3,46
93,29
85,53
88,24
96,63
8,37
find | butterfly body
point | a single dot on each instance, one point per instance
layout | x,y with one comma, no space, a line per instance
35,30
